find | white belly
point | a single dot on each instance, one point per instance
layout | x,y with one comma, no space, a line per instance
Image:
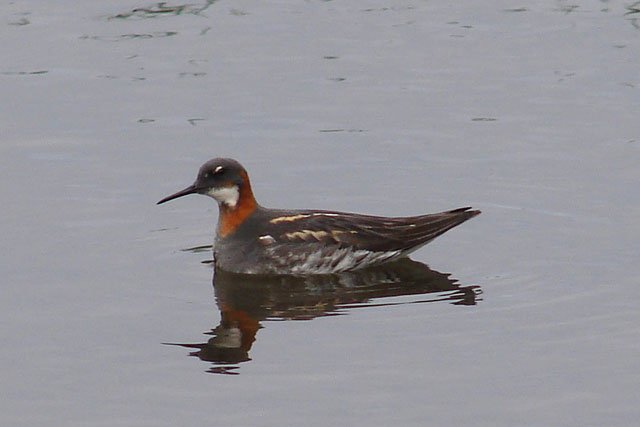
326,260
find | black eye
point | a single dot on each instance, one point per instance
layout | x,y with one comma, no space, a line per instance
218,170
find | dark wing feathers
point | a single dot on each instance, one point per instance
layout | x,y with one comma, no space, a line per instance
374,233
428,227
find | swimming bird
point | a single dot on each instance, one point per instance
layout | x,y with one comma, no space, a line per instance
252,239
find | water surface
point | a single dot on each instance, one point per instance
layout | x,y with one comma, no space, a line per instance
528,112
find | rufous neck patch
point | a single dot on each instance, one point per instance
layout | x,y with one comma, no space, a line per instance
231,217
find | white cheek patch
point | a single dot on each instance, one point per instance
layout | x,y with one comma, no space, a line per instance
226,195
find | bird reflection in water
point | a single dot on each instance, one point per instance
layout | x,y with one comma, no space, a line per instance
245,301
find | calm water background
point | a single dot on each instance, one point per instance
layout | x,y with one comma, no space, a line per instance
528,111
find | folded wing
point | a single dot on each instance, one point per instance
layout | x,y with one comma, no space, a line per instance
366,232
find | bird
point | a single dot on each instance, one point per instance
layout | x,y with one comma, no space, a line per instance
251,239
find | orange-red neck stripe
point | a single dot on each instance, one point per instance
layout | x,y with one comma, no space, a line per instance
232,217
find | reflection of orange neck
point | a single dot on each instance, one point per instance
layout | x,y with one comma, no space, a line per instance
248,325
232,217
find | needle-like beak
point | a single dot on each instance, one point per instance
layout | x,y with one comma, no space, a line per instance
189,190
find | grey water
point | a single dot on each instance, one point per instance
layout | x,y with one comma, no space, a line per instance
525,315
